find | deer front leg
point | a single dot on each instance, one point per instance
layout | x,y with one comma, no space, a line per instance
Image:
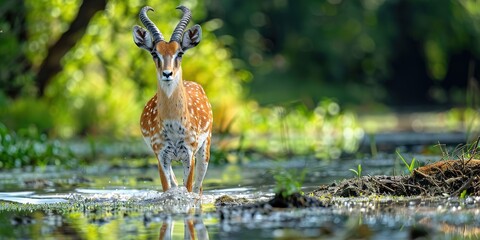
165,170
163,178
188,162
202,156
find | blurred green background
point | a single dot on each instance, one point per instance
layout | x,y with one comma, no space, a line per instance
282,75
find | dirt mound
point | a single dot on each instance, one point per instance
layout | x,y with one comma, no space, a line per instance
231,209
444,178
296,200
448,177
280,200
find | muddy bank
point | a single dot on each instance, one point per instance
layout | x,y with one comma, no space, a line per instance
443,178
423,197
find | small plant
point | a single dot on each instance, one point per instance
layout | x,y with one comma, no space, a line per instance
410,166
357,172
288,182
463,194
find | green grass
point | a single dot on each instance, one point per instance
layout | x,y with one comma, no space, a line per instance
410,166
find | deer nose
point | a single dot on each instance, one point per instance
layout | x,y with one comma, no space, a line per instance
167,74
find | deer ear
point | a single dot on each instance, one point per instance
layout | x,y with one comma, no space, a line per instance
142,38
192,37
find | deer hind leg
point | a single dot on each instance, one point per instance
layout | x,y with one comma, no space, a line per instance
202,156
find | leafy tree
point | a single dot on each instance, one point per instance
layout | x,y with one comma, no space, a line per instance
103,79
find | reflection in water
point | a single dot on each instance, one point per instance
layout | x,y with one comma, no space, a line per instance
194,228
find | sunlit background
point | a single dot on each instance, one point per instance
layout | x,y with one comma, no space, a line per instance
283,76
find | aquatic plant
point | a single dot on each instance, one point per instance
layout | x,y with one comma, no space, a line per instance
30,148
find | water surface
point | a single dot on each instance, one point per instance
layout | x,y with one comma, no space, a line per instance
126,203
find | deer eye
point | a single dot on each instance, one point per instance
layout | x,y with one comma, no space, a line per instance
179,55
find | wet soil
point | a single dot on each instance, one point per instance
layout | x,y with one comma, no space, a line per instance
280,200
443,178
232,209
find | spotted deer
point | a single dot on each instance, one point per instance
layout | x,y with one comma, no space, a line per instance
176,122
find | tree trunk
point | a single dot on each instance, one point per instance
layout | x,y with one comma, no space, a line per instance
51,64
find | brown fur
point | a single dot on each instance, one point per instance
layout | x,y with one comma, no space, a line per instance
169,48
188,104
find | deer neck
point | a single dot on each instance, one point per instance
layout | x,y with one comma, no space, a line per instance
173,105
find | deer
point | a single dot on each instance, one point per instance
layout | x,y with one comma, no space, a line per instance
176,123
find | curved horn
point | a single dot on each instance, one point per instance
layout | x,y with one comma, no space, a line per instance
157,35
178,32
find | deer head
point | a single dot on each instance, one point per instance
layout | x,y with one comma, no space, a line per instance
167,55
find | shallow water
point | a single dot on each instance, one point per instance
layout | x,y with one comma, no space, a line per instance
104,203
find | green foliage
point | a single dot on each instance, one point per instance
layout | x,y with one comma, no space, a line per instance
27,113
29,148
106,78
357,172
312,49
15,74
340,49
324,131
410,166
288,182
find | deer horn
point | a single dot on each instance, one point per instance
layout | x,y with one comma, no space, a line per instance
157,35
178,32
